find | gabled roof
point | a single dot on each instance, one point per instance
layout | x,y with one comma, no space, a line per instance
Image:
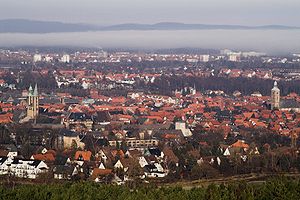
240,144
100,172
119,153
83,155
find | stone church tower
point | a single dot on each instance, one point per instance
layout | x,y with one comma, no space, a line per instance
275,97
33,103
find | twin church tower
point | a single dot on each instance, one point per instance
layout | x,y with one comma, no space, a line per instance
33,102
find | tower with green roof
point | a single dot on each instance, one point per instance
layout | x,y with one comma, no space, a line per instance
33,102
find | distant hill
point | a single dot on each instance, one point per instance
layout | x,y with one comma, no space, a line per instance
31,26
182,26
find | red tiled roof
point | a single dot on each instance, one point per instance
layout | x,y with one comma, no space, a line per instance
100,172
86,155
240,144
44,157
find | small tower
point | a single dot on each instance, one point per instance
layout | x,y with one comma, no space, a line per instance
275,97
194,91
33,103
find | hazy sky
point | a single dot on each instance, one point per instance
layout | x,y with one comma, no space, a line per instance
243,12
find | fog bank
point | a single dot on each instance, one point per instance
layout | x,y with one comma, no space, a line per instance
268,41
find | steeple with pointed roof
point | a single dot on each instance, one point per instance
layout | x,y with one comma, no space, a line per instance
35,92
30,91
275,87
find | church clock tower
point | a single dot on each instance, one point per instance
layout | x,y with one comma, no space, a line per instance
275,97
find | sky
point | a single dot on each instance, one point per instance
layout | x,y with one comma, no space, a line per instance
107,12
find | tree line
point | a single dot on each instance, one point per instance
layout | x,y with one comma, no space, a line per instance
246,86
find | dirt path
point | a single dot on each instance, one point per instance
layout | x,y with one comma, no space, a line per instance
249,178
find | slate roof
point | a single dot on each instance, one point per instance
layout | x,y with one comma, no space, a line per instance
76,116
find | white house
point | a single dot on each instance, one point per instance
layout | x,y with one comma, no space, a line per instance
4,165
22,168
142,161
28,168
155,171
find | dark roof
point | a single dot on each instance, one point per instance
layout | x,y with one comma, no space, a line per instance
2,159
50,100
289,103
63,169
150,168
71,101
68,133
18,114
76,116
10,147
147,126
44,119
116,112
155,151
60,160
102,116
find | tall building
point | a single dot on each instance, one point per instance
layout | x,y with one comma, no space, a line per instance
33,103
65,58
204,58
37,58
234,57
275,97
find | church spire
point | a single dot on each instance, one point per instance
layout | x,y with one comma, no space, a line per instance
30,91
35,93
275,87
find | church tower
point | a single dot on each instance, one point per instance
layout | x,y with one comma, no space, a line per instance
275,97
33,103
194,91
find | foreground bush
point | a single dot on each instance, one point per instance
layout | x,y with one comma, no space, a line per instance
280,188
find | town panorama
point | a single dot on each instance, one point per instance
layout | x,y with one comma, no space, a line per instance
127,117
